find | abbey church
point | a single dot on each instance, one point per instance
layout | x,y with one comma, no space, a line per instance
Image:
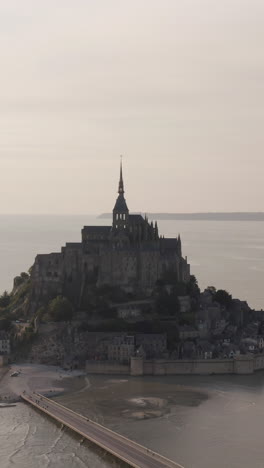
129,254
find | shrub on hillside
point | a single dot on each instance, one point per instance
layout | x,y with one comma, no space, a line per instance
5,299
223,298
60,309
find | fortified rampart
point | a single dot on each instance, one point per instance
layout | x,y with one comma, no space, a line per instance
107,367
241,365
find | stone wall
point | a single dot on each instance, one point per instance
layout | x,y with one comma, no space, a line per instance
107,367
3,360
259,362
78,265
243,365
240,365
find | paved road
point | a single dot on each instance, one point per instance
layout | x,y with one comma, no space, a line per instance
124,449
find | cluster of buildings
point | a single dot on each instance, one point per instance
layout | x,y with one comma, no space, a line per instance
221,333
121,347
4,348
131,255
4,343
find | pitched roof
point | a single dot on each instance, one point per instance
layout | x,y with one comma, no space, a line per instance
74,245
120,204
136,218
170,243
97,229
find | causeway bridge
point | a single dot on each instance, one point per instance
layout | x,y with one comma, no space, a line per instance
122,448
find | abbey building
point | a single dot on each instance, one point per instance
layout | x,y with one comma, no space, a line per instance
129,254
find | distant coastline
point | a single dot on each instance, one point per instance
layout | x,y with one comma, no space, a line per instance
235,216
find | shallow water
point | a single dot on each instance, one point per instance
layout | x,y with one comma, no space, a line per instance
206,422
212,421
30,440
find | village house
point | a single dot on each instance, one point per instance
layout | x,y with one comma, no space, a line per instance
121,349
133,309
204,350
154,344
4,343
187,332
202,327
185,304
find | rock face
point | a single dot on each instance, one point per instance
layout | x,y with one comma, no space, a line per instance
129,254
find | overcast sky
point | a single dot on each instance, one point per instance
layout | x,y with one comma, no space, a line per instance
176,86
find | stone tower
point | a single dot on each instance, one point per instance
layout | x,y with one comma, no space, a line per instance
120,211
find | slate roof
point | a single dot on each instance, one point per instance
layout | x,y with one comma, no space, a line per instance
97,229
170,243
74,245
120,204
136,218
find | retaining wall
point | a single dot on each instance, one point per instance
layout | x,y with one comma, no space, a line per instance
239,365
107,367
3,360
138,366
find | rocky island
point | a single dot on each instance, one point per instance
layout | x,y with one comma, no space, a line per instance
123,301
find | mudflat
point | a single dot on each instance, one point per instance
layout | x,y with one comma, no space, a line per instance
33,377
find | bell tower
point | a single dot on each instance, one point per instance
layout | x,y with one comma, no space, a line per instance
120,211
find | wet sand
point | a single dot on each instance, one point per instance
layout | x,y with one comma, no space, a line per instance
48,380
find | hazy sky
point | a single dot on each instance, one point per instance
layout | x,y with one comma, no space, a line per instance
177,86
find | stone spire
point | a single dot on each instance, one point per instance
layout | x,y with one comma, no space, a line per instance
120,211
179,245
156,231
121,190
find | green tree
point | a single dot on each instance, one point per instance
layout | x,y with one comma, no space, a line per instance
192,288
167,304
5,299
5,324
60,309
211,289
223,297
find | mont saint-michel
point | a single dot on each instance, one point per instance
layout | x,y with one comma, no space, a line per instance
123,301
129,254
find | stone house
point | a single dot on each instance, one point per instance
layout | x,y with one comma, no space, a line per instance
204,349
154,344
260,340
121,349
202,327
133,309
185,304
187,332
4,343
